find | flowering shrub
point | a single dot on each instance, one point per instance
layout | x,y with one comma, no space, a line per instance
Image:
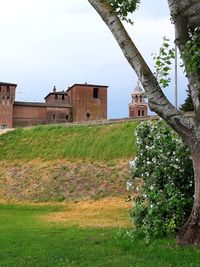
163,162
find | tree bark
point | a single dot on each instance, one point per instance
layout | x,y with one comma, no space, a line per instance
189,234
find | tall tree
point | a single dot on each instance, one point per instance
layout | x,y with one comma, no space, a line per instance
186,19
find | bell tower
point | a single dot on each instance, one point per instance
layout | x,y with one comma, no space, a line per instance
138,107
7,98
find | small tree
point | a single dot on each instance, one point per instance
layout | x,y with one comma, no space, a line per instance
164,201
186,19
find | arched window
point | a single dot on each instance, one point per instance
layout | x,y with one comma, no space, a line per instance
3,100
8,100
139,113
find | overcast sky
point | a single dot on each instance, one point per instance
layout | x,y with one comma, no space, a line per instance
48,42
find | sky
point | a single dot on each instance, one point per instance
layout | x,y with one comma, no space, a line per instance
46,43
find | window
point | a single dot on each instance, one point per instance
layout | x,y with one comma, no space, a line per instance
53,117
67,117
88,115
95,92
63,97
3,126
138,112
142,112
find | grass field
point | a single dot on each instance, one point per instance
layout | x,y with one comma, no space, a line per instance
55,163
106,142
27,240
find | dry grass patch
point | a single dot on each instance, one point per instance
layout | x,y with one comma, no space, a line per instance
106,212
61,180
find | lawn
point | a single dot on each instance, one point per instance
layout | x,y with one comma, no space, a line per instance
27,239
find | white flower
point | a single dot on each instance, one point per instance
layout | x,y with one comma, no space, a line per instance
154,160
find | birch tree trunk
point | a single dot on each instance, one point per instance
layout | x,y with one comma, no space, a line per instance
186,17
189,234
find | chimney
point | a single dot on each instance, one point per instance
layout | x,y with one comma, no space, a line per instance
54,89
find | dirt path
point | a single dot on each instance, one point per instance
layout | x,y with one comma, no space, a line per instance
3,131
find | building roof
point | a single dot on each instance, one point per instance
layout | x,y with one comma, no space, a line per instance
4,83
138,89
88,85
39,104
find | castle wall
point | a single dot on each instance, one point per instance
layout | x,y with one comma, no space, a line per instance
57,98
89,102
58,114
24,115
28,114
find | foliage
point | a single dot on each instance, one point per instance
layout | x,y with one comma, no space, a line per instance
102,142
163,63
165,199
188,105
191,53
26,239
124,7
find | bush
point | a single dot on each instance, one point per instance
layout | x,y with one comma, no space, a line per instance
163,162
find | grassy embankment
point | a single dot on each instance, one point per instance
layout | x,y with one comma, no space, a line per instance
105,143
55,163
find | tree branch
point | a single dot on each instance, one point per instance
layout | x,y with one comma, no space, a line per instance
157,100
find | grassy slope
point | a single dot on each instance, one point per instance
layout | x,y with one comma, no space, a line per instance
56,163
108,142
32,242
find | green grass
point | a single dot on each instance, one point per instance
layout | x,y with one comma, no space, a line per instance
108,142
27,241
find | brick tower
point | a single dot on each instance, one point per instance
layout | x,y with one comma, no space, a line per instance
138,107
7,98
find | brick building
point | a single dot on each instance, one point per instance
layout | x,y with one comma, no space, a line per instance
138,107
80,102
